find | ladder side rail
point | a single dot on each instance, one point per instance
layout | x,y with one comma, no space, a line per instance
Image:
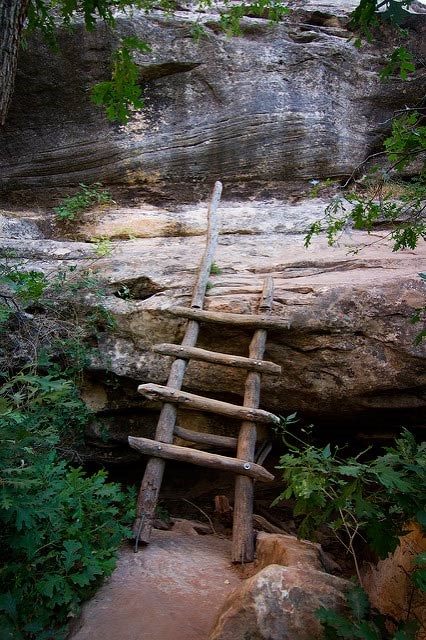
153,476
242,533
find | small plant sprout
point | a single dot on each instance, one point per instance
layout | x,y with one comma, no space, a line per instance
317,186
103,246
124,292
215,270
87,197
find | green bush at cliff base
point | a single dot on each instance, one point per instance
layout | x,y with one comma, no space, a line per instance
364,501
60,528
358,500
363,622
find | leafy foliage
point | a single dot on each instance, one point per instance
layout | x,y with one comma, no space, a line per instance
59,528
88,197
362,501
103,246
363,622
404,213
401,62
215,269
370,500
44,15
370,13
122,94
47,322
405,145
270,9
318,186
407,141
404,216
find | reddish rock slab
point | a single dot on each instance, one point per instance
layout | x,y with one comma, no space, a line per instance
169,590
389,586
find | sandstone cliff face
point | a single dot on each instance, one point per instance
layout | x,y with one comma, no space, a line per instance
348,357
265,112
271,106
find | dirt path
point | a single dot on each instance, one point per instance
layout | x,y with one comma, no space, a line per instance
169,590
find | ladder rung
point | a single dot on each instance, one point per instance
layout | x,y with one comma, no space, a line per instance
206,438
236,319
200,458
250,364
192,401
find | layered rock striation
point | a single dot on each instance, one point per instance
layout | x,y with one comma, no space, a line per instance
259,110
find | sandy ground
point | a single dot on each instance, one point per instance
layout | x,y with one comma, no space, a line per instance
169,590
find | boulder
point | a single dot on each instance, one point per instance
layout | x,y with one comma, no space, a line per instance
262,111
279,603
287,551
389,586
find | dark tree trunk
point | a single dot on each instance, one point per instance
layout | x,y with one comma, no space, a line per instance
12,18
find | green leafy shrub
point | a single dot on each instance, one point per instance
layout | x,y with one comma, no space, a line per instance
401,62
85,199
373,201
231,17
59,528
371,500
25,285
103,246
363,501
363,622
404,214
215,270
60,327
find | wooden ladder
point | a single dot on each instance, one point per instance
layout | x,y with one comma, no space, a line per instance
171,396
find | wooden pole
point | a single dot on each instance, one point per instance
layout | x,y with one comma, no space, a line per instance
200,403
227,442
194,353
200,458
234,319
242,533
151,483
